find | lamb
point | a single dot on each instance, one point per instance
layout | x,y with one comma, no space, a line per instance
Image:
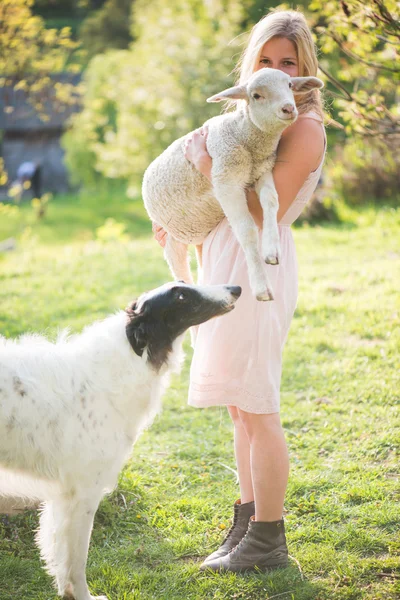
242,145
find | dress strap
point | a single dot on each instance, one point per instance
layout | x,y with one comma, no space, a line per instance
315,117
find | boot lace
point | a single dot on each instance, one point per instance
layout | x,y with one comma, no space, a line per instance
241,544
228,535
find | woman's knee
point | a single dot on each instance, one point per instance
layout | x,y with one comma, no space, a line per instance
259,424
234,415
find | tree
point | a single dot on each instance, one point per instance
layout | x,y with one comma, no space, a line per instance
108,27
366,36
30,53
139,100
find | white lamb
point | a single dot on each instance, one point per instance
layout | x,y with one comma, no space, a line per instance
242,145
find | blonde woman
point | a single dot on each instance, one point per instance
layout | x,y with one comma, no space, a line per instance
237,360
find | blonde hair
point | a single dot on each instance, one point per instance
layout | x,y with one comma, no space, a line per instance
292,25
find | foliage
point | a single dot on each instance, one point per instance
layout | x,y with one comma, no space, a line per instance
339,412
40,205
30,53
362,172
367,35
139,100
108,27
256,9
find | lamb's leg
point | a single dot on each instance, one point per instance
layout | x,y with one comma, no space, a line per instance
234,204
176,255
270,246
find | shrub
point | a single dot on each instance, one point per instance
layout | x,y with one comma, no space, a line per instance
139,100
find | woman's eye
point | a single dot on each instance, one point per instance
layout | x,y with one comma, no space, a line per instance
256,96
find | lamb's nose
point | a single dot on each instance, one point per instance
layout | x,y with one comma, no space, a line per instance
235,290
288,108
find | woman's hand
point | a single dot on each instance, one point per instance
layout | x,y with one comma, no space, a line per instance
159,234
196,151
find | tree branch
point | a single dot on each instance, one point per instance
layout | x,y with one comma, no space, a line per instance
336,83
358,58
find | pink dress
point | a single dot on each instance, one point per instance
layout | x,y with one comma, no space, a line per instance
237,358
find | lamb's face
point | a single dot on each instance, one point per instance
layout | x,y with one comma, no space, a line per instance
269,95
270,99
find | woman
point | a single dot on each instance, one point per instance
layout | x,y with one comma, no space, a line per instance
237,360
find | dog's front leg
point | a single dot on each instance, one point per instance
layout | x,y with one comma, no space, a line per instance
233,201
266,191
71,521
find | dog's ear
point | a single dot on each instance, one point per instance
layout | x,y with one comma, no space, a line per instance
136,332
131,308
136,328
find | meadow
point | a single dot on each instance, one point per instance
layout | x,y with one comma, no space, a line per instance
340,411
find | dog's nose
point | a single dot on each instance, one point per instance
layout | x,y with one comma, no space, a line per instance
235,290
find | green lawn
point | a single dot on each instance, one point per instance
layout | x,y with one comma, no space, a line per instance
340,411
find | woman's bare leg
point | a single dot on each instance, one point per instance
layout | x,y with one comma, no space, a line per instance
242,454
269,462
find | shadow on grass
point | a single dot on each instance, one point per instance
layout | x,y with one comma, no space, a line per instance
133,559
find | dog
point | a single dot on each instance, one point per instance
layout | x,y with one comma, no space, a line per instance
70,412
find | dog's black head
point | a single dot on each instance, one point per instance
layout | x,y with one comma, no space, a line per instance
158,317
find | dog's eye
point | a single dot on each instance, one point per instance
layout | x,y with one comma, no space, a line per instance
256,96
182,296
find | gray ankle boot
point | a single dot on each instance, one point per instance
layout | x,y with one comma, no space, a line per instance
263,546
241,517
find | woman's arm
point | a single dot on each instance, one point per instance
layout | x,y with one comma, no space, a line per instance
299,153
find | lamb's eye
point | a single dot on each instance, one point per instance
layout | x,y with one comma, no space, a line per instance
290,84
256,96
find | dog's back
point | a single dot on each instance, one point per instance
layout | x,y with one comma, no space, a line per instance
71,411
60,402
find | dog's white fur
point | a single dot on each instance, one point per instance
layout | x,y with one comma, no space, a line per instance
70,412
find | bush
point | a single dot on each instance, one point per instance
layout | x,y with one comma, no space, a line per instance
139,100
108,27
363,172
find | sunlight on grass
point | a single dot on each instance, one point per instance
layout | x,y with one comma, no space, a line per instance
340,411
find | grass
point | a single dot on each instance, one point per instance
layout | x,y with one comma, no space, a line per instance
340,411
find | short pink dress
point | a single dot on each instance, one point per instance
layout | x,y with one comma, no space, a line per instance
237,359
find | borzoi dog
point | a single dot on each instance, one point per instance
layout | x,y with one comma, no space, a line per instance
70,412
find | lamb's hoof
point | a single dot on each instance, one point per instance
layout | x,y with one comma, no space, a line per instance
272,259
265,296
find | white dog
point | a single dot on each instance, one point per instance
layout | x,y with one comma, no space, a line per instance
70,412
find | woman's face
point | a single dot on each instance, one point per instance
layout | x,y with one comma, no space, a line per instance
279,53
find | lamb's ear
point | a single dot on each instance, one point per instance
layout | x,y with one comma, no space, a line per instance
238,92
302,85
